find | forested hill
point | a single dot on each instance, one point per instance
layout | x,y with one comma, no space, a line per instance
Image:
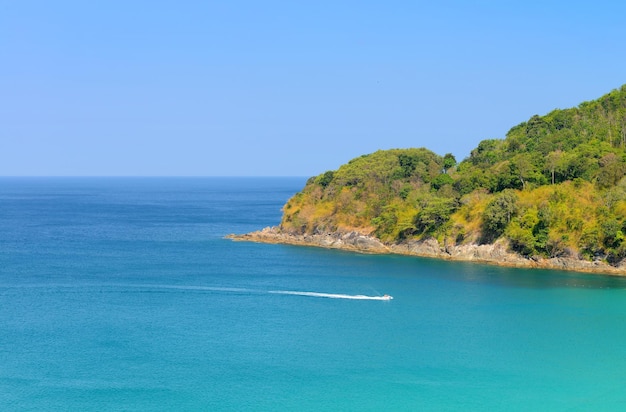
554,186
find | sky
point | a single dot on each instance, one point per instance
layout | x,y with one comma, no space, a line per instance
285,88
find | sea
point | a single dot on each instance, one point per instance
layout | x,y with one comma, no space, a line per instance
123,294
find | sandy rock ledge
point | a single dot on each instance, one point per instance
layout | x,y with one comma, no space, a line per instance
495,253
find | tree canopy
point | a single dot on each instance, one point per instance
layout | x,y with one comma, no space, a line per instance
554,185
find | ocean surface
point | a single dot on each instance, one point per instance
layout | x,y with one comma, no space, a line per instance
122,294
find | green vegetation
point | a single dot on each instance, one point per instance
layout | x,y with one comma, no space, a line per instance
555,186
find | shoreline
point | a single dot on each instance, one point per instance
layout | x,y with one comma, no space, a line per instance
493,254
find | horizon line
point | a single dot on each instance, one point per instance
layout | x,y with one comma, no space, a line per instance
153,176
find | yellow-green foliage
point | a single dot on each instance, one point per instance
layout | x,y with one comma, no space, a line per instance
468,218
555,186
575,216
373,193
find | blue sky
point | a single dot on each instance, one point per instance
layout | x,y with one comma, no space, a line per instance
285,88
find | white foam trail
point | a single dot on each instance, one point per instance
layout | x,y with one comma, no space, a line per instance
153,286
331,295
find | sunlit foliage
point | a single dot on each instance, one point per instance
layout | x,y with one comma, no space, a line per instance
555,186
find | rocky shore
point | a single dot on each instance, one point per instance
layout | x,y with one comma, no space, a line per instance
495,253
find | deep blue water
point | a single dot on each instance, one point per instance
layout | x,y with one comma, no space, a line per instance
122,294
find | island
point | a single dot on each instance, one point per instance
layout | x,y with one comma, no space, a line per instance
551,194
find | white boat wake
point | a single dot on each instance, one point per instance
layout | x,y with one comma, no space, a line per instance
331,295
280,292
151,287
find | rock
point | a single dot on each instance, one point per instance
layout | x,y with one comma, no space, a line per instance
496,253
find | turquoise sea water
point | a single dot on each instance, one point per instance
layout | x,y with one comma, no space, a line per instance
122,294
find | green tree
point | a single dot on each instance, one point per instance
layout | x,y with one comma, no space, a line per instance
498,213
325,178
408,163
553,161
434,214
441,180
449,161
523,168
521,238
612,169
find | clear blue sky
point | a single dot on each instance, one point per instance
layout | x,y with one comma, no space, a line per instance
280,88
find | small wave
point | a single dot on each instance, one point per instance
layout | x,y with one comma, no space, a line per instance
331,295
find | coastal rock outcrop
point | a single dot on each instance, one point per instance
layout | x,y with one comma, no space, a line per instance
354,241
496,253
